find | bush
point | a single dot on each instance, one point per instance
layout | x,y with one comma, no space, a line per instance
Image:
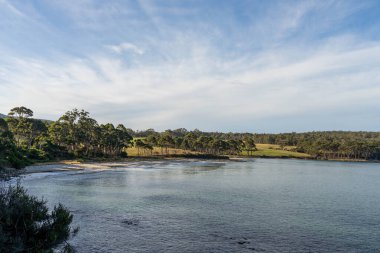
26,224
17,160
10,155
36,154
53,151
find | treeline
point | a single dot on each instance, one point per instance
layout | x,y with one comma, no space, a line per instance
329,144
195,141
24,140
320,145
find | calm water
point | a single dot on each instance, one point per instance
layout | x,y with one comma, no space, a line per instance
263,205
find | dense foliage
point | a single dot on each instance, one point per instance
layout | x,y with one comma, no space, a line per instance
26,225
322,145
82,136
196,141
329,145
10,154
24,140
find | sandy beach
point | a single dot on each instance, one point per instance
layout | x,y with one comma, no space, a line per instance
72,165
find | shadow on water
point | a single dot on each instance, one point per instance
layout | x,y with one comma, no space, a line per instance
204,168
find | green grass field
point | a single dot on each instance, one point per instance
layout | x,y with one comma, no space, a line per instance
272,150
278,153
157,151
263,150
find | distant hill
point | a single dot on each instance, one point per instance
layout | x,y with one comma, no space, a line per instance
44,120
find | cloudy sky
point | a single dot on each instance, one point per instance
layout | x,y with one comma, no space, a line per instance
262,66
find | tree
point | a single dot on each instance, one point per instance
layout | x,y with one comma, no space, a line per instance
124,136
21,125
249,145
235,146
140,144
10,155
219,146
166,141
21,112
152,139
76,131
114,140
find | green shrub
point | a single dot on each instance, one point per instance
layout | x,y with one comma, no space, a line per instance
26,224
17,161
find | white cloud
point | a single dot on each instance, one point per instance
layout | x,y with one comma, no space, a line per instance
202,91
125,47
187,78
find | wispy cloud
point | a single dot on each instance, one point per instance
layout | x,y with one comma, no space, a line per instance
267,75
125,47
11,7
325,81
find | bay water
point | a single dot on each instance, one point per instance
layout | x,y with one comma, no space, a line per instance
258,205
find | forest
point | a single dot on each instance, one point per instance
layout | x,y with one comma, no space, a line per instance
25,140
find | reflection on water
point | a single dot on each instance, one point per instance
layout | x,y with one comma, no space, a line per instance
211,206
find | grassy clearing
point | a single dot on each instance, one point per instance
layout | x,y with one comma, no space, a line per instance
261,146
273,150
263,150
277,153
157,151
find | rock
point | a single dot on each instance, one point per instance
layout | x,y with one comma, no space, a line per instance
131,222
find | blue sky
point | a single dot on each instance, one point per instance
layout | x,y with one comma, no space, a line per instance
258,66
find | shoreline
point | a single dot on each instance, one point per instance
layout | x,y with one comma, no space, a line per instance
103,164
71,165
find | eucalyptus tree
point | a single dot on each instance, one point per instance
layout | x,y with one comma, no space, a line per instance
166,141
108,139
21,125
178,142
219,146
190,139
141,145
75,130
235,146
124,135
152,139
202,143
21,112
186,145
113,141
25,129
249,145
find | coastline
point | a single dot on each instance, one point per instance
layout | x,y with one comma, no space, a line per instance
70,165
103,164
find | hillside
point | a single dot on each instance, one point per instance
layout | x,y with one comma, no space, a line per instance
43,120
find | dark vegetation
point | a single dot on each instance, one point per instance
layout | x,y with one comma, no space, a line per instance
320,145
26,225
24,140
330,144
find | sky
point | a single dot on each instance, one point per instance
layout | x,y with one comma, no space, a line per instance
240,66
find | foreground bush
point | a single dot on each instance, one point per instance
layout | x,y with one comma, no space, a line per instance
26,225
